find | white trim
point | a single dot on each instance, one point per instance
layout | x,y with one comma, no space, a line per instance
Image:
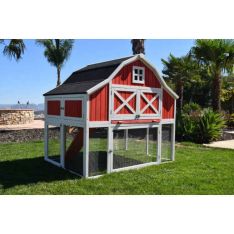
138,92
135,166
110,151
133,126
62,118
126,138
53,162
56,121
73,172
62,145
86,140
110,110
142,58
147,141
173,133
99,124
168,121
149,103
159,151
130,88
124,101
101,84
45,140
138,81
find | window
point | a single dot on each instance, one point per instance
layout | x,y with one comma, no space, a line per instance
138,75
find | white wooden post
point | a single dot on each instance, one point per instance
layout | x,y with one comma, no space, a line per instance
126,138
159,151
147,141
62,145
86,152
46,136
86,138
173,141
173,134
110,150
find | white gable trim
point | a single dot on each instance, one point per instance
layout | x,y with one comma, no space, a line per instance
142,58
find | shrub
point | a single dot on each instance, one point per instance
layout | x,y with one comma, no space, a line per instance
209,126
230,120
199,126
187,121
191,108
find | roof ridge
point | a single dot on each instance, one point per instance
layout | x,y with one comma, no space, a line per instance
97,65
111,60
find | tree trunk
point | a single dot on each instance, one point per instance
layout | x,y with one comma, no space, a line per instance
216,92
180,92
58,73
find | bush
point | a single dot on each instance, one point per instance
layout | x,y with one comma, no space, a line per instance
199,126
229,120
191,108
209,126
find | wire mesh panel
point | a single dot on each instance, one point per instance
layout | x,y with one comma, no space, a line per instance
130,147
98,151
166,151
54,143
153,143
74,149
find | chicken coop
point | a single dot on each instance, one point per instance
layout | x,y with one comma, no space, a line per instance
110,116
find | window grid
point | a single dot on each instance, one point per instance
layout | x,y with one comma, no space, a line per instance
138,76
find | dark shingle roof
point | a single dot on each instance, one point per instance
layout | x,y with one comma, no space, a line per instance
86,78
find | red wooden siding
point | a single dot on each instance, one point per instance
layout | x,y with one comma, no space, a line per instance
73,108
118,102
168,106
53,107
155,103
99,105
124,76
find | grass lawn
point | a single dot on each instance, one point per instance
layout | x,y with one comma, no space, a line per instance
197,170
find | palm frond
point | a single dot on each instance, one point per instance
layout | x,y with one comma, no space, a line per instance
56,51
14,49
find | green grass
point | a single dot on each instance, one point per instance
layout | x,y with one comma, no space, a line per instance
197,170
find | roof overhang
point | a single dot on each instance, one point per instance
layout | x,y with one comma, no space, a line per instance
142,58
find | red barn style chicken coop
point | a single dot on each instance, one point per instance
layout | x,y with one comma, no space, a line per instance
110,116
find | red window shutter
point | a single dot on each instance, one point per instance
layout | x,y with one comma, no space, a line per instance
53,107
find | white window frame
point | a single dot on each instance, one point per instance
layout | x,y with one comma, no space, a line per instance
138,81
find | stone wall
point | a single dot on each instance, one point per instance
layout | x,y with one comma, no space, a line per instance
13,117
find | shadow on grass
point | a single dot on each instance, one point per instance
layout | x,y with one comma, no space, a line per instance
31,170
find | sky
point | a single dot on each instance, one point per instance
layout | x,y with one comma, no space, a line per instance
27,79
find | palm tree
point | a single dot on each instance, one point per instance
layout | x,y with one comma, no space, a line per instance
218,55
138,46
180,71
14,49
57,51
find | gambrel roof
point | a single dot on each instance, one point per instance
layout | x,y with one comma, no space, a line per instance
87,77
94,76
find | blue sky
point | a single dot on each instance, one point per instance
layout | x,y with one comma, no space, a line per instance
32,76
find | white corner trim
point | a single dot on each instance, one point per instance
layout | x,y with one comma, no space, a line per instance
101,84
142,58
